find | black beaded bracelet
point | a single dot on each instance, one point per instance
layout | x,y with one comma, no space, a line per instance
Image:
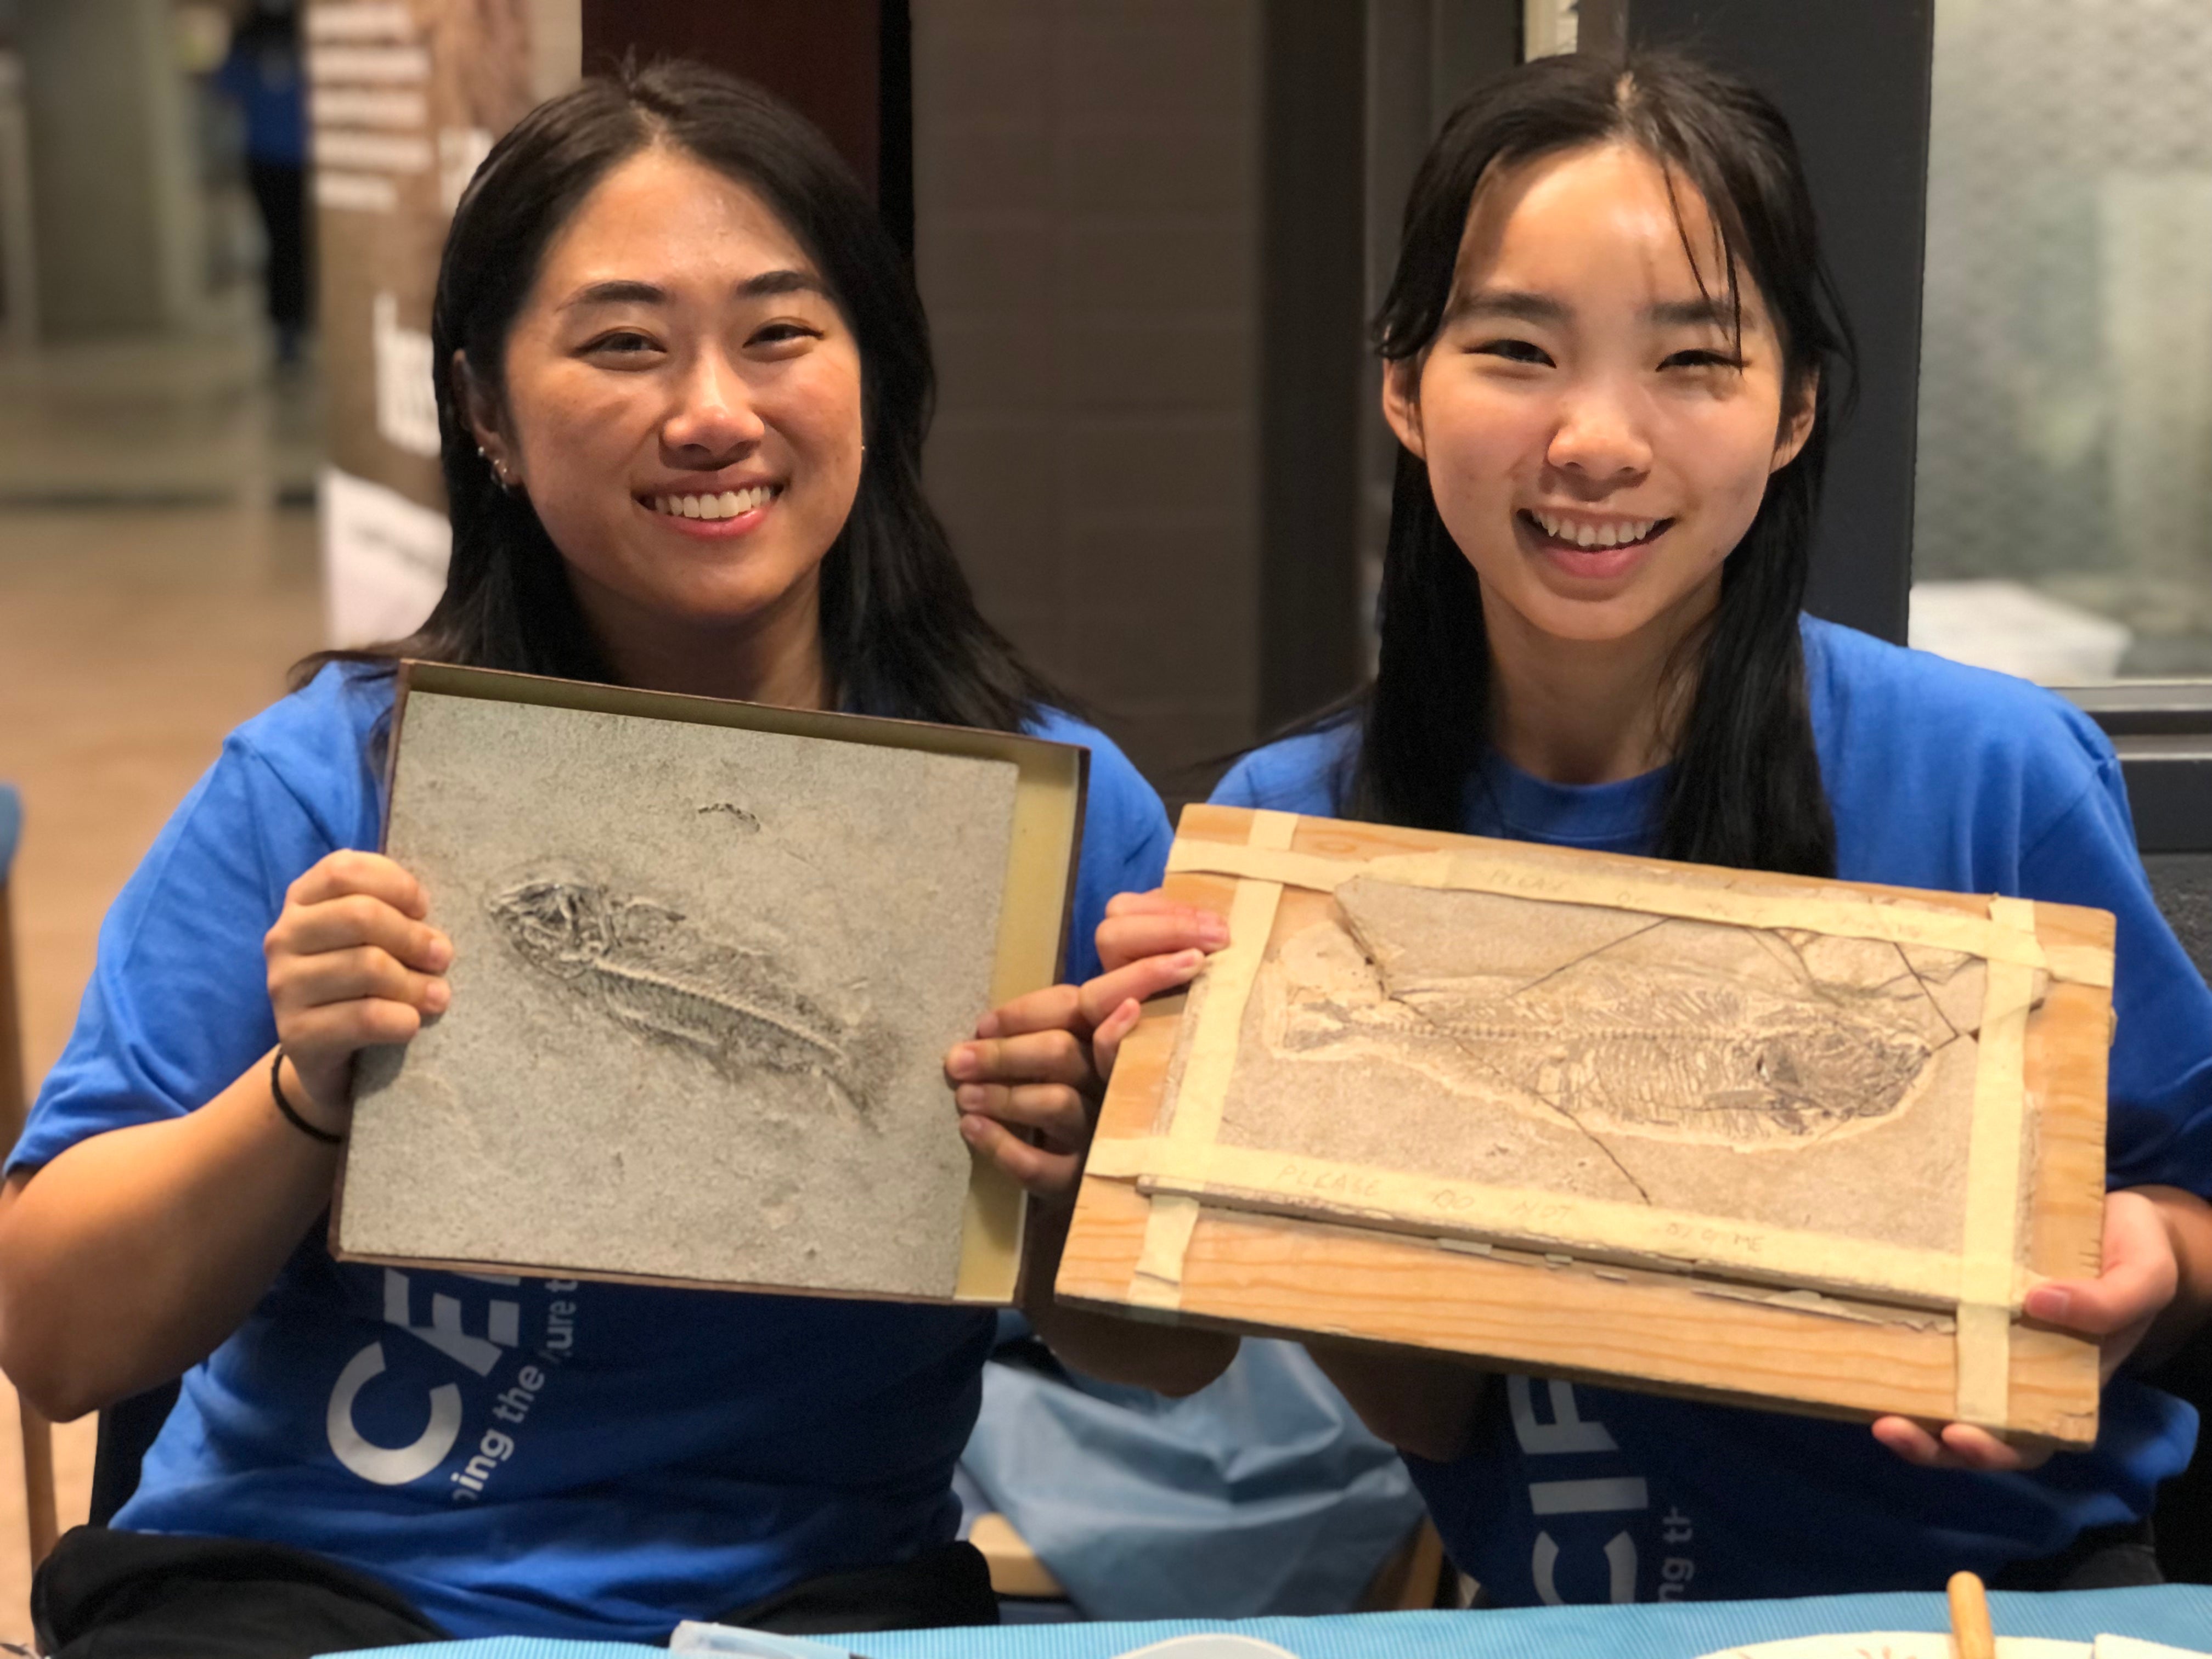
276,1088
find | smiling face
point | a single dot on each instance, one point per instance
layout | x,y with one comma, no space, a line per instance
1598,434
681,403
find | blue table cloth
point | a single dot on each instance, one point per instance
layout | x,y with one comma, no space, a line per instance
2179,1614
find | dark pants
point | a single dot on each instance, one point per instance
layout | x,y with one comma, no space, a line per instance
106,1595
281,194
2103,1558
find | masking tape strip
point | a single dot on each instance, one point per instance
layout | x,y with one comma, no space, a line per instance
1588,1228
1158,1281
2012,939
1985,1365
1990,1242
1222,858
2080,964
1194,1118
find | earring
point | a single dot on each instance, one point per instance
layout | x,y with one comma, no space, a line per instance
498,468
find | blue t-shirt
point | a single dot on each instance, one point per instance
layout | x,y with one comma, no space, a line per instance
545,1458
1939,776
263,74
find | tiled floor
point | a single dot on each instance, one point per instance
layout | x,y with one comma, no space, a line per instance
159,421
152,592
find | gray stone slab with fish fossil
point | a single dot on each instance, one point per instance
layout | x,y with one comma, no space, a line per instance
703,982
1762,1075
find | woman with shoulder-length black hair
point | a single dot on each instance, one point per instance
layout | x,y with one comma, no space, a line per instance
1726,700
1610,352
899,633
683,382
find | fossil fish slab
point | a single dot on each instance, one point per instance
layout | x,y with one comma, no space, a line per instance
642,964
1627,1025
703,981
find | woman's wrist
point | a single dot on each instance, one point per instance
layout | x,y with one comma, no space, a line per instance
304,1116
2187,1219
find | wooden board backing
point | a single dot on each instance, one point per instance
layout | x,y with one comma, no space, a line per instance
1052,779
1278,1274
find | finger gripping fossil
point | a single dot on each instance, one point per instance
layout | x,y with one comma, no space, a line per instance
643,966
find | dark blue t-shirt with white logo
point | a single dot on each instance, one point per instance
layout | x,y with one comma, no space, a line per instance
528,1457
1939,776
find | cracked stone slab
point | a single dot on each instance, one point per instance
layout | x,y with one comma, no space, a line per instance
1762,1075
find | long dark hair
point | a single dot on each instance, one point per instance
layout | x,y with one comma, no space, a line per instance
1745,786
900,630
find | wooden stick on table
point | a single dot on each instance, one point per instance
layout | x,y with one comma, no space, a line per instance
1970,1637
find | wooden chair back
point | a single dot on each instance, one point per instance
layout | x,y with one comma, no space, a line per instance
41,1514
1415,1577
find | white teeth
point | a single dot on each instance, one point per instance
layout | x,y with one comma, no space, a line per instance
727,505
1618,533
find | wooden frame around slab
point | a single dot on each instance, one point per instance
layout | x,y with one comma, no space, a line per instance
1052,779
1224,1237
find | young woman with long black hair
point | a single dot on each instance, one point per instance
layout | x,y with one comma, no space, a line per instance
685,379
1611,358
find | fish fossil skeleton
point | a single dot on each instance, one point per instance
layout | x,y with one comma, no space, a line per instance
1716,1061
1637,1037
646,967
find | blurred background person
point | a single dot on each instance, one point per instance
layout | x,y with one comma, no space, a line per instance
264,75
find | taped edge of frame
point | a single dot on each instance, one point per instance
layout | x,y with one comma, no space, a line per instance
2007,937
1990,1241
1196,1119
1590,1229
